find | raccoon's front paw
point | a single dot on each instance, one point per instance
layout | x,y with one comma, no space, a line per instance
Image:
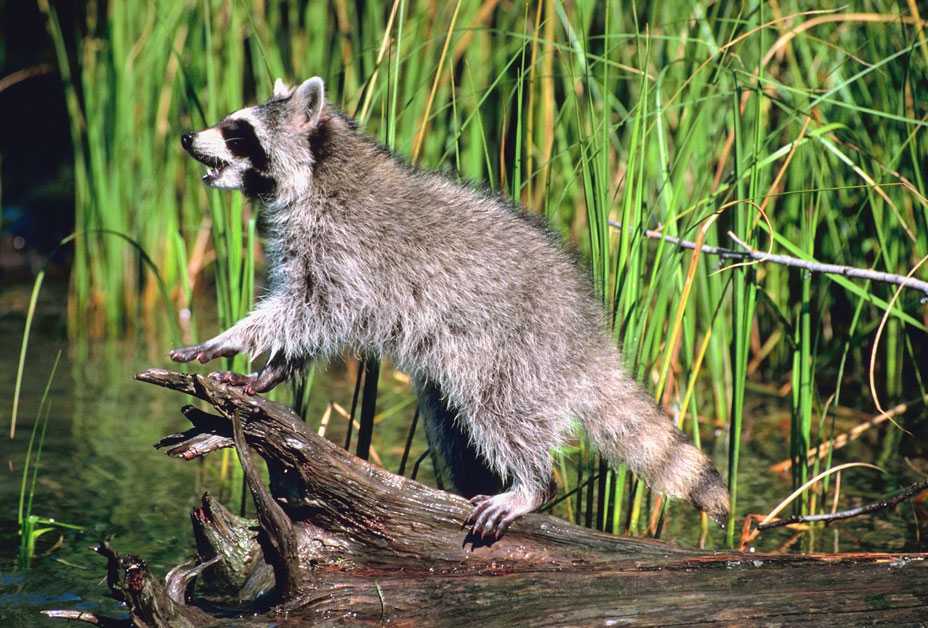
234,379
492,516
254,383
204,353
185,354
248,383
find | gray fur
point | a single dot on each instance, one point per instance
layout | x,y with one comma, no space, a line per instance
479,304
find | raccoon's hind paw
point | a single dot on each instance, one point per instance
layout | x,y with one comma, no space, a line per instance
492,516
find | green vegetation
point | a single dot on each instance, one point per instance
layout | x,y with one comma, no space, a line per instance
32,526
798,131
30,314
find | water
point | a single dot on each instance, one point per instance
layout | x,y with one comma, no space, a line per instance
99,469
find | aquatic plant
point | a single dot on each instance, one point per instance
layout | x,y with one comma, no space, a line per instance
32,526
24,347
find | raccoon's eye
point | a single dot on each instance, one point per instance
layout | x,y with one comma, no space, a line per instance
242,141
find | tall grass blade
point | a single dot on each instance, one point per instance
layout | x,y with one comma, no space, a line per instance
24,346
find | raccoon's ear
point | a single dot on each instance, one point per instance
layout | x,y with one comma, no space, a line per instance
308,101
281,89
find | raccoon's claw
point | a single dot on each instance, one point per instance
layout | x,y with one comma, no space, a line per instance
481,502
486,520
492,516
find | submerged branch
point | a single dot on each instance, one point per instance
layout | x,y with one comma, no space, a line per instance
86,617
751,254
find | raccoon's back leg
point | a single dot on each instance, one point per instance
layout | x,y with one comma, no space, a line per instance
459,466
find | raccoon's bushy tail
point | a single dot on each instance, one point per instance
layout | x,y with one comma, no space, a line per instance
627,426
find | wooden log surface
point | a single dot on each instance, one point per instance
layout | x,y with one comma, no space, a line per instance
338,540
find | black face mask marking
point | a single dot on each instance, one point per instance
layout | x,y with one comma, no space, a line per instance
255,184
242,141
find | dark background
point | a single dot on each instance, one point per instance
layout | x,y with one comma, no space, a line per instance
36,177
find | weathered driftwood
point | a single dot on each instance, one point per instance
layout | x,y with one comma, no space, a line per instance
340,541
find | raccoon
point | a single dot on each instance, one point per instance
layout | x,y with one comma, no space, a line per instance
480,304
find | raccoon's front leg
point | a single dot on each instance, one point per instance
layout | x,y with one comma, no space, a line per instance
253,334
493,515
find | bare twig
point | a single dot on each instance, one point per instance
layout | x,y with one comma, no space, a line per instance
785,260
884,504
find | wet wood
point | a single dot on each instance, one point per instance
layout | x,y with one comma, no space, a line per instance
338,540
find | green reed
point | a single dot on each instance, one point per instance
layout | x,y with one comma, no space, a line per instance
792,129
32,526
24,347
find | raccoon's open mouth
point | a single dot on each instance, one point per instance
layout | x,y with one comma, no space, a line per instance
214,165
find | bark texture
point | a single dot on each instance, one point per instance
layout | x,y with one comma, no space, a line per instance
338,540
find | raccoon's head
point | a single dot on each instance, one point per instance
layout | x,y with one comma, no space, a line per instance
262,150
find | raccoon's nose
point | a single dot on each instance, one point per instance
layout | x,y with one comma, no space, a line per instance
186,140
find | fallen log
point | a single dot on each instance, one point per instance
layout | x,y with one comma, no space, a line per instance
338,540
